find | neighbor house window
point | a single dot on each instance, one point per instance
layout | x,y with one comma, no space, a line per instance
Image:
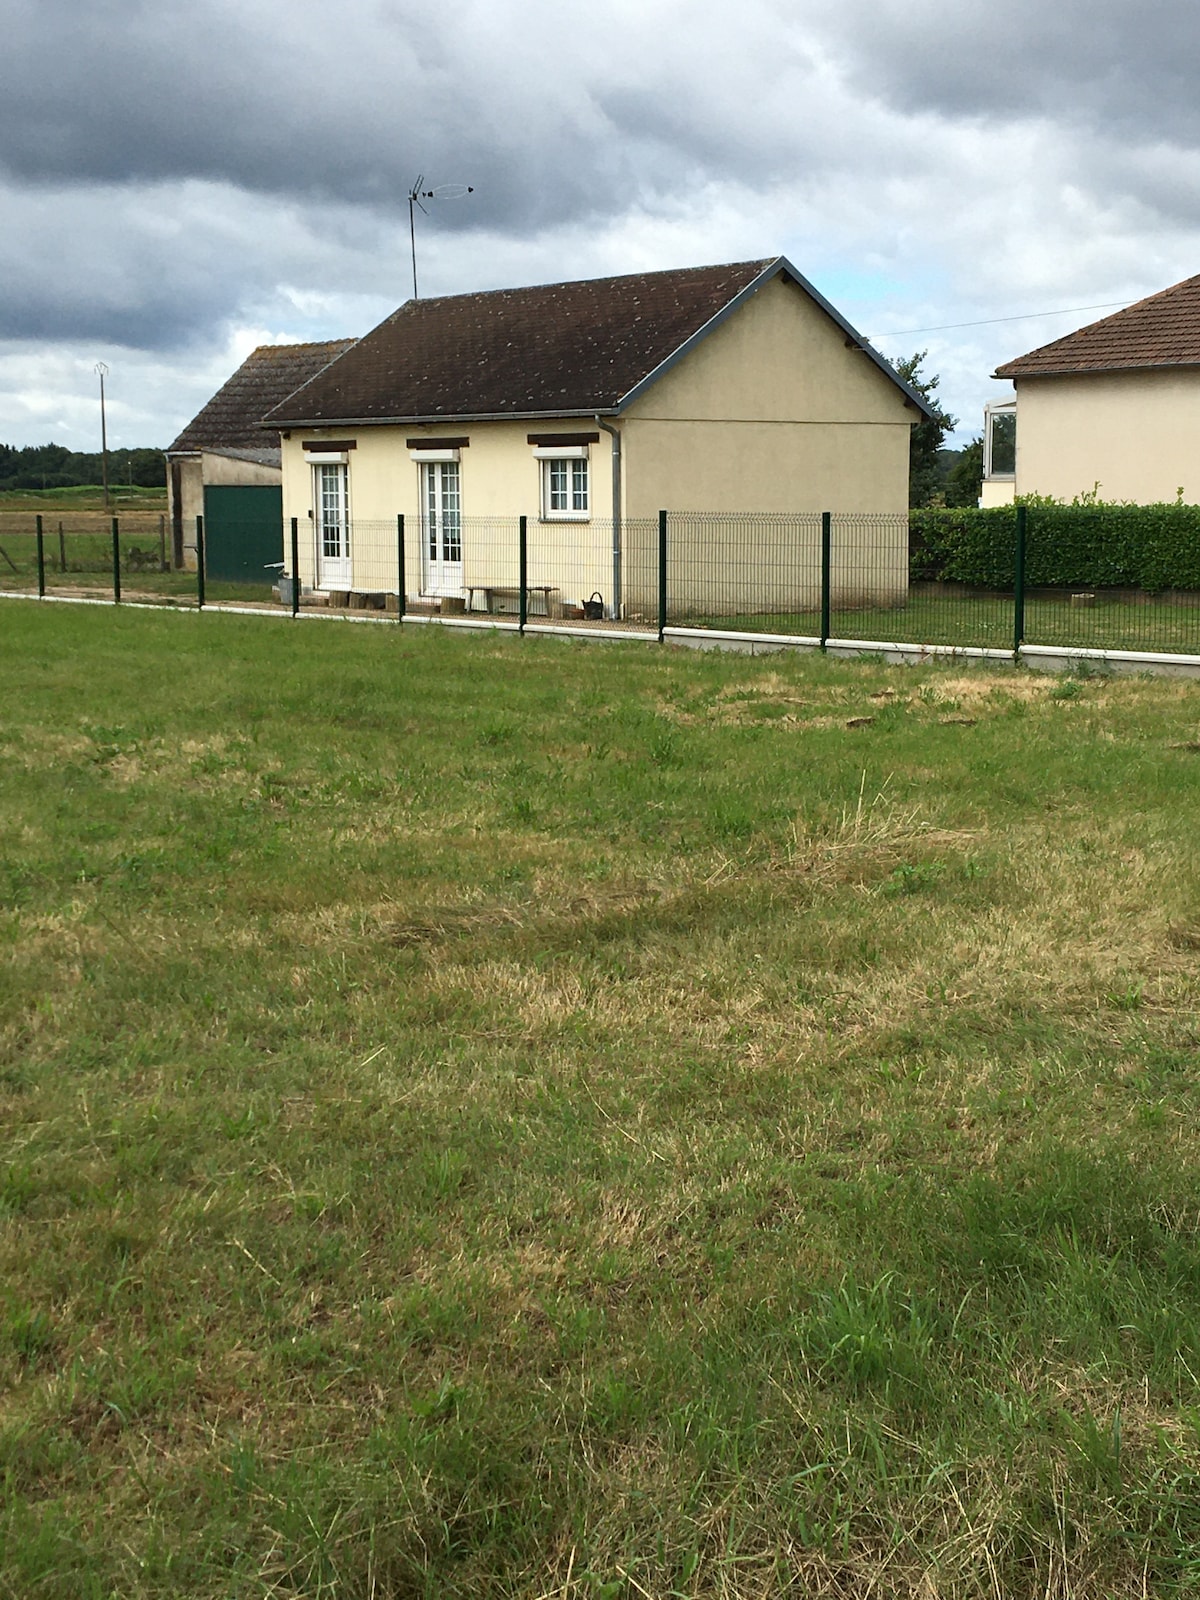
565,487
1000,441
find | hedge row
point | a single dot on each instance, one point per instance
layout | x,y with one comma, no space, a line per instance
1071,547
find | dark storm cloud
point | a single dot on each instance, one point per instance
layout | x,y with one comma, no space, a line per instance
304,101
160,267
555,116
1105,65
79,267
553,111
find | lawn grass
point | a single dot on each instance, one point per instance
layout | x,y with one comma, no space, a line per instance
488,1117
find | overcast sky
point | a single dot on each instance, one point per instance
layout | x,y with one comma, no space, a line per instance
180,183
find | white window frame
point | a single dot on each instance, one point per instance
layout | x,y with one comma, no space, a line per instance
1000,408
573,461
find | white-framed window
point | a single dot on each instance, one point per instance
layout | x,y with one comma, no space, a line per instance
565,487
566,492
1000,440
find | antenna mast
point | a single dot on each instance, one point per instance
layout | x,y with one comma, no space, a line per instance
442,191
414,199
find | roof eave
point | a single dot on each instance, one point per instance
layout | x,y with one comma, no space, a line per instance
1008,373
441,417
781,266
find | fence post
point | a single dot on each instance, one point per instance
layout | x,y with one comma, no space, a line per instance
62,549
1019,583
41,560
523,567
116,554
400,566
200,562
826,564
162,544
662,574
295,566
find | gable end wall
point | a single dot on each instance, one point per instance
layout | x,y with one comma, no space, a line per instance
771,412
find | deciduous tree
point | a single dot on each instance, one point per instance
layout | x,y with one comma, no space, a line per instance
924,479
964,481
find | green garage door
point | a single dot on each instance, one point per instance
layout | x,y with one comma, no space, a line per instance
243,532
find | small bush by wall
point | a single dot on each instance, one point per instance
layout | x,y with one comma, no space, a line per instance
1151,547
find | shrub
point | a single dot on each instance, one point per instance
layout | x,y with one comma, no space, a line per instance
1098,546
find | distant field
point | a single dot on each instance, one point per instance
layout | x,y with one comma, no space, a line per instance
77,533
86,498
498,1118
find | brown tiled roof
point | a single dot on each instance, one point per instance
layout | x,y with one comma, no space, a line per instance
553,350
1161,331
232,418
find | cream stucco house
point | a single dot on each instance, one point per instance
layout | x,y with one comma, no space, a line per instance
587,407
1113,409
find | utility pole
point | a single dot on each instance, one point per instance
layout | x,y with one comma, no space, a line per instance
102,370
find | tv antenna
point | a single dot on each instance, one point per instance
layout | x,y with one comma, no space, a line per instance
441,191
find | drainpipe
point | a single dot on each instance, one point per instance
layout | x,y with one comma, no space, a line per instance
615,612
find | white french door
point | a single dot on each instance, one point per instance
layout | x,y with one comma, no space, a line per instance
333,526
441,502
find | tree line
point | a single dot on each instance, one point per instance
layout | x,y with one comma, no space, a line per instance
54,466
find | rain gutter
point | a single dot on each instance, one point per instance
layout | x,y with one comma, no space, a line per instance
615,609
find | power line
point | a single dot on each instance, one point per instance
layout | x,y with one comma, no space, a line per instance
987,322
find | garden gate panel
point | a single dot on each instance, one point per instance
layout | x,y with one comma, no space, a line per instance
243,532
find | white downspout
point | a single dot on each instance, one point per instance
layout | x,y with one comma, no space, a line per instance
615,609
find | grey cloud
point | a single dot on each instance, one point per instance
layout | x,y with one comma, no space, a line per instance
1105,64
554,113
1147,186
551,117
298,100
161,267
311,124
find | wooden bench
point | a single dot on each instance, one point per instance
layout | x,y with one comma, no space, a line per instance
493,592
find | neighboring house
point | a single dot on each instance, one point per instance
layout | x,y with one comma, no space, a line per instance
1113,409
225,448
588,406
